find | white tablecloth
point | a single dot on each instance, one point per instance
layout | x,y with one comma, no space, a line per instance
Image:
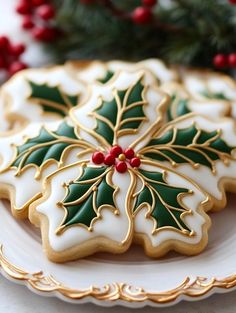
15,298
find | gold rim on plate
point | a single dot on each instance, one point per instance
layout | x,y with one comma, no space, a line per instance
198,287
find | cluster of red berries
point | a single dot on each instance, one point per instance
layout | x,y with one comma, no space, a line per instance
118,157
140,15
225,60
10,56
37,17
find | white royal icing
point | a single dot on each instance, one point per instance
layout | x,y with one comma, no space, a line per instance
198,82
111,226
194,221
15,93
25,186
155,98
97,70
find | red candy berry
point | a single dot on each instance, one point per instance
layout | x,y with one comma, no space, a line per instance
220,61
98,157
109,159
16,67
16,50
24,7
116,151
4,42
135,162
46,12
149,3
232,60
129,153
27,22
141,15
121,167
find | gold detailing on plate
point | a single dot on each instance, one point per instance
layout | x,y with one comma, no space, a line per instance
192,288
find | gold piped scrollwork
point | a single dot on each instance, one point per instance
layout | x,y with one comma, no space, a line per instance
192,288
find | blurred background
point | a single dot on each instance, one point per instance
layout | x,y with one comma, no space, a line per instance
189,32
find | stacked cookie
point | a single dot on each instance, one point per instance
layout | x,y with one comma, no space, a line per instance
100,155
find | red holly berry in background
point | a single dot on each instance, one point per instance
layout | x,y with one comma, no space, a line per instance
220,60
232,1
27,22
149,3
46,12
4,42
3,64
37,3
24,7
232,60
16,49
16,67
44,33
9,56
121,167
141,15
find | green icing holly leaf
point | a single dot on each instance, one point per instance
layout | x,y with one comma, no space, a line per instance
163,200
189,145
48,145
214,95
52,99
107,77
123,114
86,196
177,107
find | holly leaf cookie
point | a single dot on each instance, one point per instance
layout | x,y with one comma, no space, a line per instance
31,154
40,95
148,175
211,87
182,102
103,72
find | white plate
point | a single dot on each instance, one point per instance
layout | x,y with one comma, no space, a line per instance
130,279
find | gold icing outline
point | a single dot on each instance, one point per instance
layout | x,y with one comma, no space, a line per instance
74,66
181,92
160,109
108,173
80,250
192,288
224,157
75,143
12,117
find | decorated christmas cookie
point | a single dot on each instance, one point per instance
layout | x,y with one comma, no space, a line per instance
104,71
182,102
211,87
39,95
28,156
145,179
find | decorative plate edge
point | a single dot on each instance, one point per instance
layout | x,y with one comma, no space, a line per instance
192,288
